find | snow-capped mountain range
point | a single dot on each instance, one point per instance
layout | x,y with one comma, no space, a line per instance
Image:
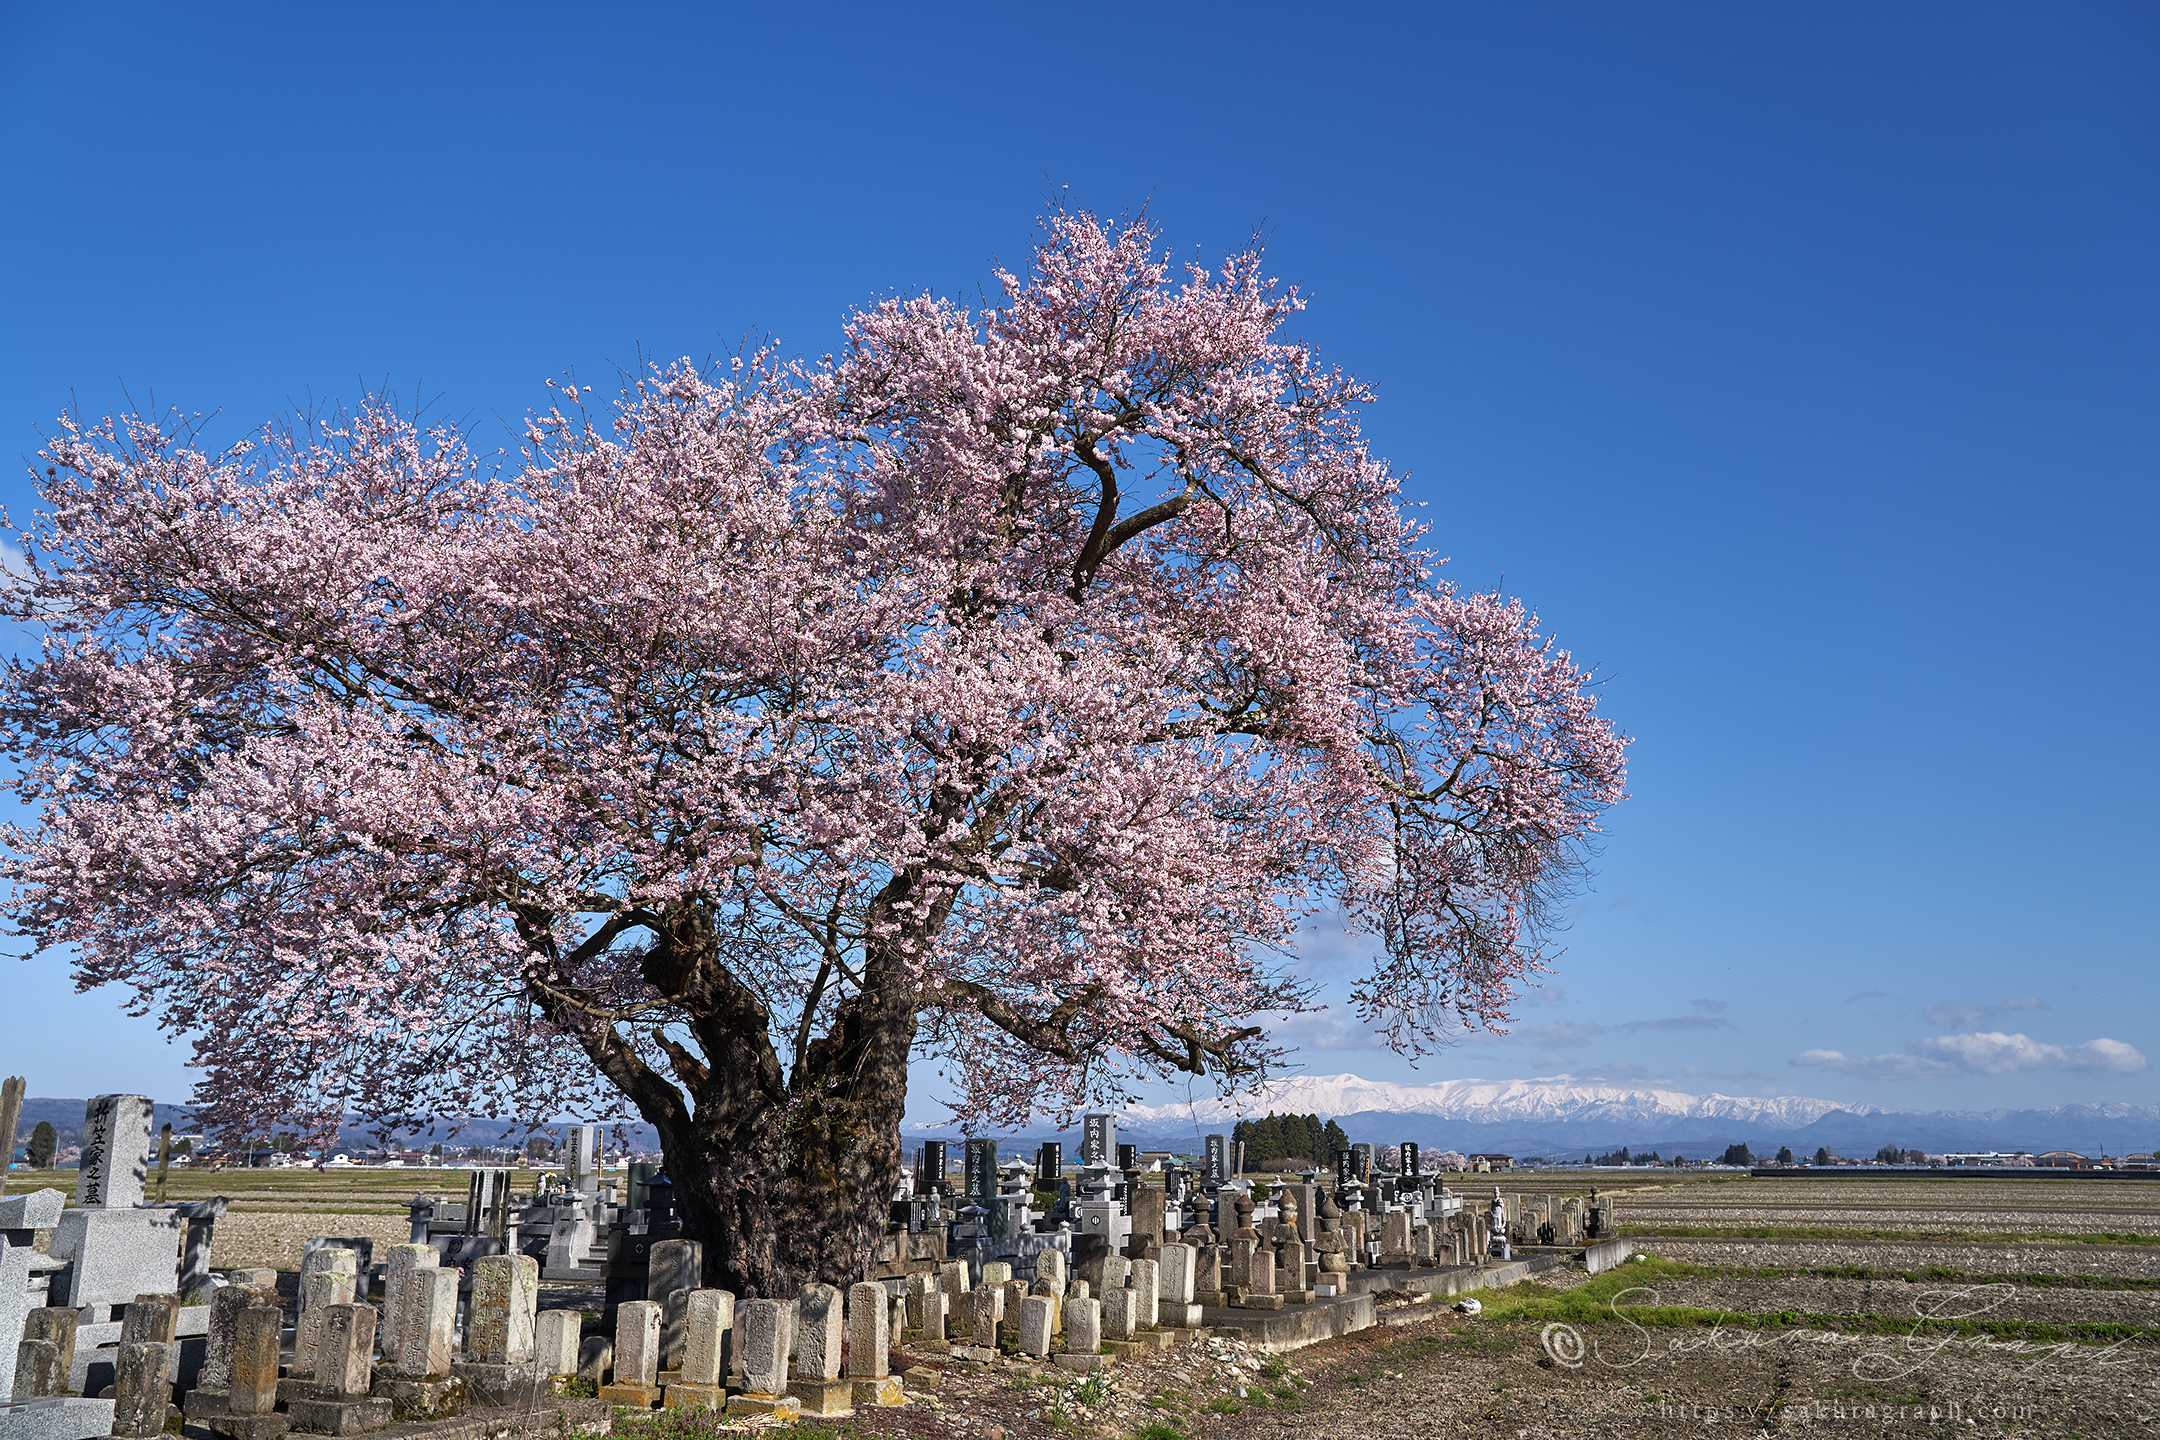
1560,1115
1553,1100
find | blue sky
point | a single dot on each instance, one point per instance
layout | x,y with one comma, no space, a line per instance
1798,363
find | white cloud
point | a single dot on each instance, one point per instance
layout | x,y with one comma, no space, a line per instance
1991,1052
1714,1007
1680,1022
1873,1067
1978,1053
1322,1030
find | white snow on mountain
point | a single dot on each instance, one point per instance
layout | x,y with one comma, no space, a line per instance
1553,1098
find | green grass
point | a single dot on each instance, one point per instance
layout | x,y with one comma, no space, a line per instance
1224,1405
1158,1430
1591,1303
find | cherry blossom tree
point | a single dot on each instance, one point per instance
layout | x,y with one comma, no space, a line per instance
1008,688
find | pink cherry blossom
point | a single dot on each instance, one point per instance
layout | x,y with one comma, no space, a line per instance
1009,687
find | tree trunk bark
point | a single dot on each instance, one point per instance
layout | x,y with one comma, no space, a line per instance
789,1188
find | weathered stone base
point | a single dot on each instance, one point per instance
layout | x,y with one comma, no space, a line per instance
884,1390
681,1396
298,1387
1298,1297
346,1415
637,1397
982,1354
1181,1317
751,1402
925,1345
824,1397
229,1426
1155,1339
200,1405
432,1399
1082,1364
496,1386
1260,1302
922,1377
1121,1349
1209,1297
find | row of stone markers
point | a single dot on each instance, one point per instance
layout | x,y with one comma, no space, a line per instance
686,1346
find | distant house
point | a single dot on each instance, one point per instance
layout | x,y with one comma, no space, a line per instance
1493,1162
2064,1160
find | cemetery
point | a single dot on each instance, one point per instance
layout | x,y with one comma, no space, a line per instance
559,1304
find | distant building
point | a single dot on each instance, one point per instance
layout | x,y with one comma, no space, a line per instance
1493,1162
2064,1160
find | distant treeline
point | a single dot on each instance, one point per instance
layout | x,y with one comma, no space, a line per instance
1275,1138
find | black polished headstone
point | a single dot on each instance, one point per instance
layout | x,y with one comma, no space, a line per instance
1362,1162
1049,1161
981,1172
1410,1159
932,1176
1218,1160
1098,1134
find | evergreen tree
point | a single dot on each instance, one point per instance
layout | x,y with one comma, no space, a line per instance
1822,1155
1332,1139
1784,1155
1267,1140
1738,1155
43,1141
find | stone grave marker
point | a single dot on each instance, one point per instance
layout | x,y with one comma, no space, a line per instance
555,1341
637,1356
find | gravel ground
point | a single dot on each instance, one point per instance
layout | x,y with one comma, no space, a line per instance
1445,1375
2034,1207
2133,1262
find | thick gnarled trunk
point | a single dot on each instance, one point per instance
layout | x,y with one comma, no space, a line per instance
793,1184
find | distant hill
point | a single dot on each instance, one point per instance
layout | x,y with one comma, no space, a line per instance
1555,1117
1561,1116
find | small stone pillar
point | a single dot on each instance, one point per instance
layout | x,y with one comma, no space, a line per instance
1035,1318
251,1378
869,1345
637,1355
1083,1327
141,1389
555,1341
708,1326
765,1339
